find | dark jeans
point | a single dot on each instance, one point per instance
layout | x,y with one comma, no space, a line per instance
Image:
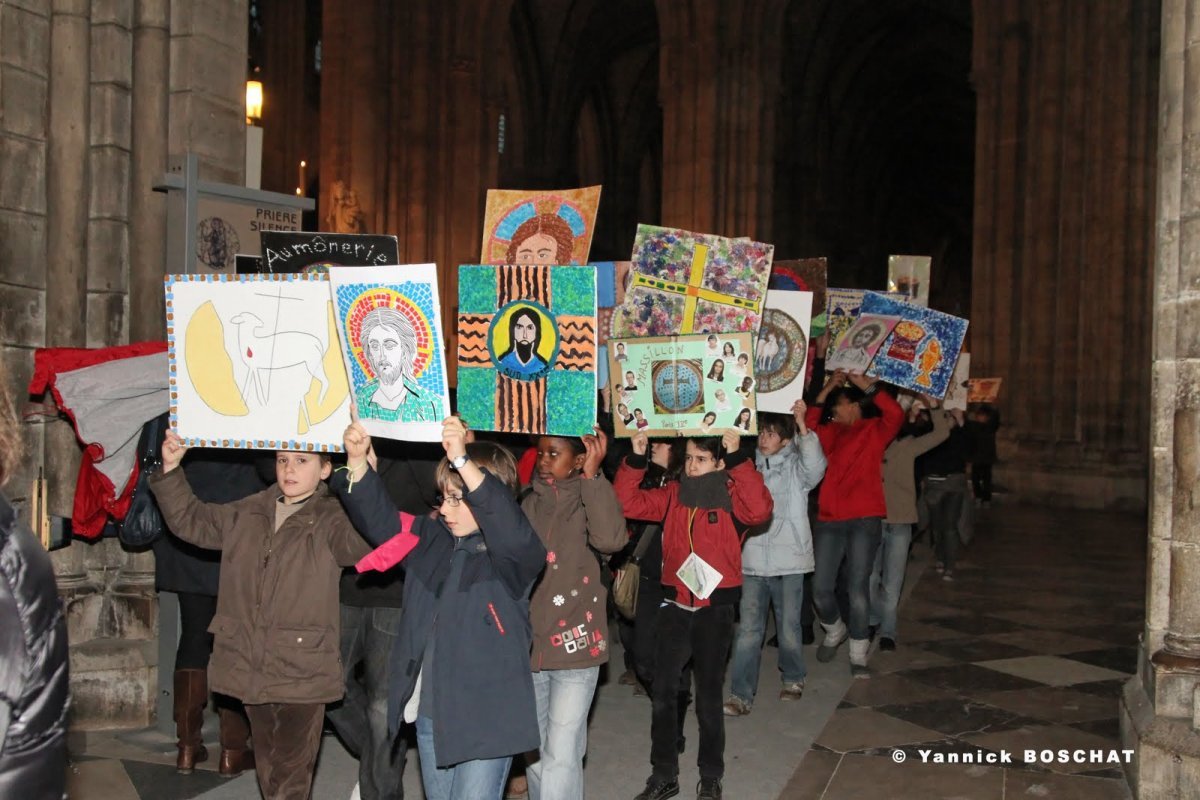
855,541
704,637
651,594
945,495
981,481
287,737
361,718
195,642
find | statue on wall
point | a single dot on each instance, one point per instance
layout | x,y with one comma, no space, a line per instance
345,214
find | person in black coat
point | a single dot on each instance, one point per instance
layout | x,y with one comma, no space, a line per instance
34,681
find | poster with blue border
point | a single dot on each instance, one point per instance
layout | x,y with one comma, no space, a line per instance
921,351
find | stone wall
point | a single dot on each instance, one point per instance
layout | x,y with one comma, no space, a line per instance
95,95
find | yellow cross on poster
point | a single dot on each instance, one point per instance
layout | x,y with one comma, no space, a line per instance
693,290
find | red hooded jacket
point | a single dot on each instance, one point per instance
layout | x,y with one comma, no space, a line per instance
853,486
713,533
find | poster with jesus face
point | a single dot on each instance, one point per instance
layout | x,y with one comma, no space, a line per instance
390,325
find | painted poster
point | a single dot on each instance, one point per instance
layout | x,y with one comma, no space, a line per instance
921,351
684,282
691,385
539,227
255,362
527,348
781,352
984,390
956,392
612,280
909,276
390,324
855,349
804,275
842,309
291,251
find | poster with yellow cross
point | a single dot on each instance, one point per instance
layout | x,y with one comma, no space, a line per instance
685,282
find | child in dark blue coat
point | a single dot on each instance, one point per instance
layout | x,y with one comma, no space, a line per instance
460,668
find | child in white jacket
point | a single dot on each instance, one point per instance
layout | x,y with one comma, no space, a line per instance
776,558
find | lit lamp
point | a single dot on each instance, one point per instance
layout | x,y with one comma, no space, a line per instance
254,134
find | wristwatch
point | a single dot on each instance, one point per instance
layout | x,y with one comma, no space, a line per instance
460,462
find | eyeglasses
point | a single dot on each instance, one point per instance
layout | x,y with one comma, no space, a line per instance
455,500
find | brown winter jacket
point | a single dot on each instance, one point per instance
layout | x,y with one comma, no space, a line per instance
569,605
276,630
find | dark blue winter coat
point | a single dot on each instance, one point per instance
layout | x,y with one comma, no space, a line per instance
483,703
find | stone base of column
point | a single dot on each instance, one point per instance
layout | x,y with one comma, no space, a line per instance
1055,485
1157,724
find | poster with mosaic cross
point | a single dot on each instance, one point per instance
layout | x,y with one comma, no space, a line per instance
539,226
921,351
390,323
684,282
527,348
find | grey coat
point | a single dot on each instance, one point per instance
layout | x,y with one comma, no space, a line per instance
784,545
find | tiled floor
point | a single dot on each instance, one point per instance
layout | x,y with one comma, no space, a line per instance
1026,650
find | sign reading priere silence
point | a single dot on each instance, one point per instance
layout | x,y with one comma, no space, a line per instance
686,334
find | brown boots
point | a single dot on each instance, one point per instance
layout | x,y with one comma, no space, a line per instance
236,755
191,696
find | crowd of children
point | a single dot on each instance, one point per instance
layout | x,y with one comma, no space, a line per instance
504,621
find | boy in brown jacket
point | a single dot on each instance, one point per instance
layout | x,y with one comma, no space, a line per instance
276,631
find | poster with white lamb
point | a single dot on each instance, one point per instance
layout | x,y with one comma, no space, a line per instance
255,362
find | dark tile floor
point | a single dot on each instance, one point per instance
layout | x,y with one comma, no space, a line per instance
1027,649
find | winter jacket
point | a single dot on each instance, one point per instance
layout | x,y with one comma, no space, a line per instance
710,530
981,437
569,605
34,684
276,632
482,688
853,486
784,546
899,472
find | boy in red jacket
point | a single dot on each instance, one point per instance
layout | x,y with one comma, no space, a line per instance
851,504
702,564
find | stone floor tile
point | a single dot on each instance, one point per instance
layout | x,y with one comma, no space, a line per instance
956,716
1109,728
910,631
862,728
1020,785
1051,670
1113,633
1037,618
975,648
1052,703
968,677
859,777
164,783
1121,659
1047,737
101,779
979,625
905,657
890,689
1110,689
812,776
1047,642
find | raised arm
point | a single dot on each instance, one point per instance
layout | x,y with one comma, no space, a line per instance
942,423
362,491
752,503
605,521
637,503
201,524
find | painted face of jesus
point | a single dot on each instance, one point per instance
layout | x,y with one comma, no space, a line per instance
384,353
537,249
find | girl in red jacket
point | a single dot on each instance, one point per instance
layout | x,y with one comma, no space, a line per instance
855,425
702,569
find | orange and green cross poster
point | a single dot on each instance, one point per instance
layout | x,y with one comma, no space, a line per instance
684,282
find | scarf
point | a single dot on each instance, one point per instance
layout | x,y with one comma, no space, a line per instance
709,491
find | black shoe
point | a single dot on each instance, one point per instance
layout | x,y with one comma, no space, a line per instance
807,636
659,789
708,789
887,644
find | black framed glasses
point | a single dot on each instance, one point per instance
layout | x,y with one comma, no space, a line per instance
455,500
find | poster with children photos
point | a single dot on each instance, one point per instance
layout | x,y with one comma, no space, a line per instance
690,385
921,351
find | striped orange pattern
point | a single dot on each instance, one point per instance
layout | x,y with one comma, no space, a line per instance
472,340
520,405
576,344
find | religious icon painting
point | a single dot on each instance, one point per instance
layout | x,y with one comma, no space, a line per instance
855,349
803,275
909,276
841,310
527,348
254,362
690,385
390,323
684,282
781,352
539,227
921,351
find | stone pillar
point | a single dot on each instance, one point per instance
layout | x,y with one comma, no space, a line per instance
1160,708
719,85
1063,221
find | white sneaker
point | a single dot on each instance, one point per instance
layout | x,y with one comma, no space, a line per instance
835,634
858,657
355,795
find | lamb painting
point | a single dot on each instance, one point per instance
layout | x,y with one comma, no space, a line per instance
255,362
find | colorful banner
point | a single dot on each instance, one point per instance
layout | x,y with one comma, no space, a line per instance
781,352
390,323
804,275
921,351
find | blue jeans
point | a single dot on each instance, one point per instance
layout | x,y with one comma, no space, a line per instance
361,718
482,779
855,540
786,593
887,579
564,697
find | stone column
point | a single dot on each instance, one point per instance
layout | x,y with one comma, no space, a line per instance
1160,708
719,85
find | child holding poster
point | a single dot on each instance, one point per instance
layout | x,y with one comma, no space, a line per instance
702,562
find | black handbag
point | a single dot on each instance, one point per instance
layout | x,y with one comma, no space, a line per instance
144,522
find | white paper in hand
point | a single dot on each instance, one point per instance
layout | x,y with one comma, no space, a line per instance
699,576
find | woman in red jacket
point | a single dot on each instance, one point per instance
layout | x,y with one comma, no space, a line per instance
720,489
855,425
